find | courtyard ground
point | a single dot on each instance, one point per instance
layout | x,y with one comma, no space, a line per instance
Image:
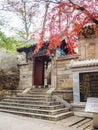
15,122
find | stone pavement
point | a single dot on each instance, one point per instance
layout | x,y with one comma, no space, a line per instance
14,122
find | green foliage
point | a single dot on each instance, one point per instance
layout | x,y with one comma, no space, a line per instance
8,43
21,45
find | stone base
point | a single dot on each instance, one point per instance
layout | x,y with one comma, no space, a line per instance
79,109
65,94
95,120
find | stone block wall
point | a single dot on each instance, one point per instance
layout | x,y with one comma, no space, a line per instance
61,73
88,48
62,77
64,73
25,75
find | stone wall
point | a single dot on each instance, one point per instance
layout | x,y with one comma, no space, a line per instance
64,73
88,52
66,94
9,81
9,71
62,78
88,48
26,73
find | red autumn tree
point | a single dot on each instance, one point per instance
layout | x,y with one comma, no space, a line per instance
65,21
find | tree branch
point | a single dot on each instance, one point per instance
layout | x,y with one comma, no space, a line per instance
83,9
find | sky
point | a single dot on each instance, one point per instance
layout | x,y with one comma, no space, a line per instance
11,21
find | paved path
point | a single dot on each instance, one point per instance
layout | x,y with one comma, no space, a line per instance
14,122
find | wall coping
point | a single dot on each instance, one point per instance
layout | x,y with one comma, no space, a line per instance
85,69
92,63
68,57
20,64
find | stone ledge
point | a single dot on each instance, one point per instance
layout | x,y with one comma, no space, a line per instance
67,57
83,114
63,91
25,63
79,105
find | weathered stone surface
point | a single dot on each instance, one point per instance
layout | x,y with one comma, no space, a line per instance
21,58
66,94
26,79
88,48
9,72
64,77
8,61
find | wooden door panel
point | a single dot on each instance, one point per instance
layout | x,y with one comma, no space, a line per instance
38,71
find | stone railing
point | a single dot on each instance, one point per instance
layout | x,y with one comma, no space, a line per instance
66,94
62,101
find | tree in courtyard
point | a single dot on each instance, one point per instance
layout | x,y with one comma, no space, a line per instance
25,10
65,21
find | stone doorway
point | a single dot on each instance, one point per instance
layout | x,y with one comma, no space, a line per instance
41,73
38,71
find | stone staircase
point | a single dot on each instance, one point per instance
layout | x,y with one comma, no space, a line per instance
77,123
36,104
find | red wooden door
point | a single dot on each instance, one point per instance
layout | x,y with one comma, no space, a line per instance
38,71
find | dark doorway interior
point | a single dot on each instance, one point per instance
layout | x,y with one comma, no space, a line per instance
88,85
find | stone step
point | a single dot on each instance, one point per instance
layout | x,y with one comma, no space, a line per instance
32,102
38,93
83,124
37,106
83,114
86,125
77,123
40,116
71,121
39,90
32,110
33,98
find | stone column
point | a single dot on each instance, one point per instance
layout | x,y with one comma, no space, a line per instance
76,88
53,73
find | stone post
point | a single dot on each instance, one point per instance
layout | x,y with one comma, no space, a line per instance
25,75
53,73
